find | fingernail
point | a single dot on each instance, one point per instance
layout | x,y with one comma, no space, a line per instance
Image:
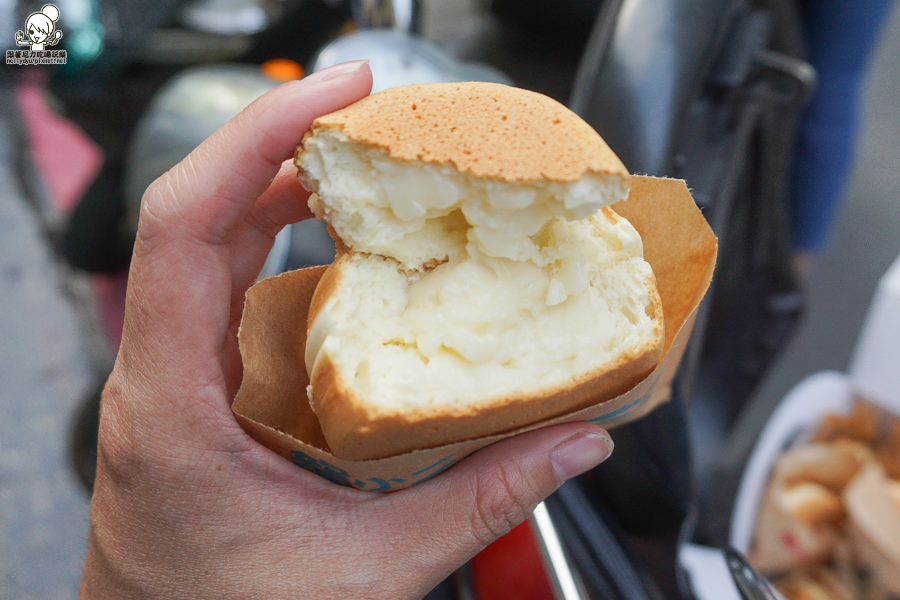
579,453
338,70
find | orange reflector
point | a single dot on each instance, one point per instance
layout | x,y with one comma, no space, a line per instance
281,69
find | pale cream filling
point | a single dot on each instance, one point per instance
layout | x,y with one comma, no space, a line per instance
421,213
484,326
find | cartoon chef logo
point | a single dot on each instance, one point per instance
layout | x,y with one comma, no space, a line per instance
40,29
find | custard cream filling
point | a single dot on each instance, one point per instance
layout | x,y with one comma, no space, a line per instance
420,214
485,326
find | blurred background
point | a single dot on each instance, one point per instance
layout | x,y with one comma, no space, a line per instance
713,92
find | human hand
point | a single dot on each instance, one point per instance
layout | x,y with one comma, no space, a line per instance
185,503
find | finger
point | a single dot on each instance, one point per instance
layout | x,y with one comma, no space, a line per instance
180,287
284,202
453,516
208,194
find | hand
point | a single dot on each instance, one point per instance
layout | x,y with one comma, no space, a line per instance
185,503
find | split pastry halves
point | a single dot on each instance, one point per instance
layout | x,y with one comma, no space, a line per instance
481,281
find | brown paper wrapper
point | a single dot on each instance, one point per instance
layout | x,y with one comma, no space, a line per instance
272,405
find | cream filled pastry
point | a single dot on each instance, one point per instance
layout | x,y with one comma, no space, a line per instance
481,283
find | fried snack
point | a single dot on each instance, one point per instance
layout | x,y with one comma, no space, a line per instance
811,503
831,465
783,542
814,583
888,452
831,512
861,424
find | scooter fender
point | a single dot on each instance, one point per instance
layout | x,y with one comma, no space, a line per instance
644,62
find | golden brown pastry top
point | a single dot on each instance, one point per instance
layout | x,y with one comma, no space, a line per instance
487,129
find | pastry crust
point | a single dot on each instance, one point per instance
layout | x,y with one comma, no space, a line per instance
487,130
359,429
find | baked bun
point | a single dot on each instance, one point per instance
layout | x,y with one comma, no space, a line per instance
481,282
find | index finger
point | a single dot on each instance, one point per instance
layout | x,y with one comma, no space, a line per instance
181,280
207,195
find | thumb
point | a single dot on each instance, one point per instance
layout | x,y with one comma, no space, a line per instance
487,494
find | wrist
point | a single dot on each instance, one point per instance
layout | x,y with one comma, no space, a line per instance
110,569
98,579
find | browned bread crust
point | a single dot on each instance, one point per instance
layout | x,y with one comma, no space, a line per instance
489,130
357,430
